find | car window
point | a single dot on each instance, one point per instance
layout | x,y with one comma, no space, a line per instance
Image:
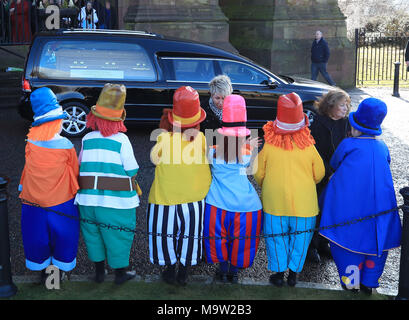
95,60
189,69
242,73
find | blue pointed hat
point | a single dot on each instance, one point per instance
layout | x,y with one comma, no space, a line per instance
46,107
369,116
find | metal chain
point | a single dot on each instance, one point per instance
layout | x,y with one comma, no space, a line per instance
145,233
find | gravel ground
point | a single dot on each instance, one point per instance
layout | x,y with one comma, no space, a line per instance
396,136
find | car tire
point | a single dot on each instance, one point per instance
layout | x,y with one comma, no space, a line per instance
75,126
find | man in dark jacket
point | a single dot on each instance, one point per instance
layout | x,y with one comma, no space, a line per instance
319,58
407,56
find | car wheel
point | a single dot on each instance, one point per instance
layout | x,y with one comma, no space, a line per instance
75,126
310,114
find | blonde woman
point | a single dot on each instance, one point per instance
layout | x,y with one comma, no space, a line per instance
220,87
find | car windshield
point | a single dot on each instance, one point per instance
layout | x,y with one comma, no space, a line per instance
103,60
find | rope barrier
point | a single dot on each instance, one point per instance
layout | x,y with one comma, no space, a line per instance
146,233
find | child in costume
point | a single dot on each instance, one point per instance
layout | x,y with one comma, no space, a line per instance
289,167
108,192
49,179
362,185
182,180
233,207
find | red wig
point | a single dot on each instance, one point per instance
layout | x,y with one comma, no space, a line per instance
106,127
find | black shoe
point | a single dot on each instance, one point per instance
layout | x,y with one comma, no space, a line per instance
122,276
277,279
222,276
169,275
313,255
64,275
99,272
354,290
365,289
292,278
182,275
234,278
324,250
43,277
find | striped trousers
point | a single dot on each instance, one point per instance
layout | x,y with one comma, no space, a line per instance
175,233
287,251
220,225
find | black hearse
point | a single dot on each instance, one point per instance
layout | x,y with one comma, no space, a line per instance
76,64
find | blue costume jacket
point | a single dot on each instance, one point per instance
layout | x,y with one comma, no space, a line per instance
362,185
231,189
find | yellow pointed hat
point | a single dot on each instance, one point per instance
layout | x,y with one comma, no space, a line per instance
110,104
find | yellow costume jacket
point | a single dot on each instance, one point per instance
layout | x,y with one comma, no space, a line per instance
288,180
182,173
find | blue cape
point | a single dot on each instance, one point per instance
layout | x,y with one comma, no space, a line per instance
362,185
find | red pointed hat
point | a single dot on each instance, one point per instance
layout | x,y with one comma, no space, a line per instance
186,110
234,117
290,116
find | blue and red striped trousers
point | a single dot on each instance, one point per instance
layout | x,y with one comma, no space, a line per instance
220,224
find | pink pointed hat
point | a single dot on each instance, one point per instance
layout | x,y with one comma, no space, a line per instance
234,117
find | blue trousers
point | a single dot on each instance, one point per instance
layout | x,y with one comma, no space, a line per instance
355,268
49,238
289,251
321,67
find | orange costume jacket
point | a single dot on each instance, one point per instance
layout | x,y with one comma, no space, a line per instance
50,174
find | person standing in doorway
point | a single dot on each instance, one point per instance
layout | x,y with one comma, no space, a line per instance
319,58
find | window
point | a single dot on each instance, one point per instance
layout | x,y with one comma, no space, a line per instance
189,69
95,60
242,73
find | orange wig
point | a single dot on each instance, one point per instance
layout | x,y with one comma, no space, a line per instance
45,131
302,138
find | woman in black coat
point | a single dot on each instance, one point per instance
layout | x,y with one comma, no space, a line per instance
220,87
329,128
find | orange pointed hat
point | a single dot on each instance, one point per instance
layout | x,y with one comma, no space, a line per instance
290,115
186,110
290,125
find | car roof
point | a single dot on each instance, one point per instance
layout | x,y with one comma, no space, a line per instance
178,45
